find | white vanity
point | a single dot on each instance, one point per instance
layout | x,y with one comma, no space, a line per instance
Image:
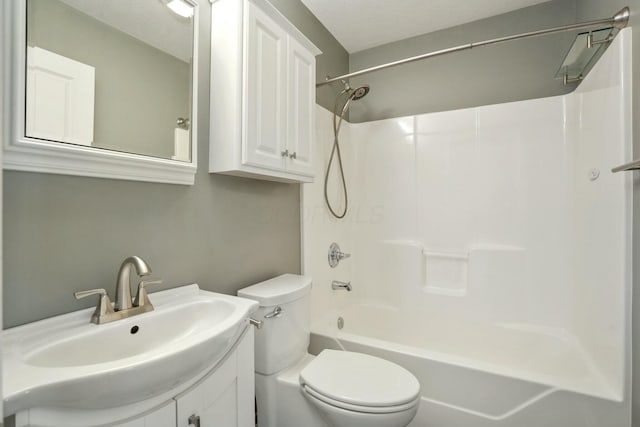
189,362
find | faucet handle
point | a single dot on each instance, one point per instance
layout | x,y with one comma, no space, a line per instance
336,255
141,296
104,303
84,294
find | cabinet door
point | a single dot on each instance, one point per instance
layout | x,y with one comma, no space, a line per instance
163,417
265,119
226,397
301,107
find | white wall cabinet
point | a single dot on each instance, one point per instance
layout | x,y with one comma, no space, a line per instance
262,93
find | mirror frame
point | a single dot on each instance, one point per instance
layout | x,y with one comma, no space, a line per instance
22,153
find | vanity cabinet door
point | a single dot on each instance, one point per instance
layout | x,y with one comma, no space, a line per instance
265,108
163,417
226,397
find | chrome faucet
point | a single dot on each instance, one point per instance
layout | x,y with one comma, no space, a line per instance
123,284
123,306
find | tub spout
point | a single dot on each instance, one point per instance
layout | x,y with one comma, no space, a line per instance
336,285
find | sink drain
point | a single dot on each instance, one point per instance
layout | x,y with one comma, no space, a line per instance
134,330
340,323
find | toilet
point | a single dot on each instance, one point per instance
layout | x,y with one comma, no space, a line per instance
333,389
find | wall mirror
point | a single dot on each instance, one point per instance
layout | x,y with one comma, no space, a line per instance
102,88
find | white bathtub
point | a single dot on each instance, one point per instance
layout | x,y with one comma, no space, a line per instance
485,258
478,375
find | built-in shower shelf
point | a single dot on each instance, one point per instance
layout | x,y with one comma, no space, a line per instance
631,166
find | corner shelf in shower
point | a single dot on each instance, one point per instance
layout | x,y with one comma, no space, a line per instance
585,51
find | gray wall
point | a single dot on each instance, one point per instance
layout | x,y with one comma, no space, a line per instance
140,90
594,9
333,61
63,234
486,75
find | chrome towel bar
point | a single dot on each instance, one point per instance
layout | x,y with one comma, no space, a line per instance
631,166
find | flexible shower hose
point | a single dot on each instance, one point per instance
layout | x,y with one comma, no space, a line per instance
335,152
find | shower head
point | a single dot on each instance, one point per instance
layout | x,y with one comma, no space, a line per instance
354,94
359,92
351,95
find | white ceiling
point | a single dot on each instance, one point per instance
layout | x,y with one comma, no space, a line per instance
362,24
149,21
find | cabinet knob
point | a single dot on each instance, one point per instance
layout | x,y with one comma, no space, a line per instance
293,155
285,153
194,420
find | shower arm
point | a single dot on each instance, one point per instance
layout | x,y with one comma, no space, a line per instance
618,21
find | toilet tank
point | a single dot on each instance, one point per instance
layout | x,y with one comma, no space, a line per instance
283,338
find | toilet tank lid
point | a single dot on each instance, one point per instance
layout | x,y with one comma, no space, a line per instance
279,290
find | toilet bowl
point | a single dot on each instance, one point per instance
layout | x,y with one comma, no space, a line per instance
355,389
333,389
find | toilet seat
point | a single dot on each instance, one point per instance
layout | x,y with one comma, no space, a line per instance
359,382
360,408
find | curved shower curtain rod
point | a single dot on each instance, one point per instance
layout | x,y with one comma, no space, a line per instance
619,21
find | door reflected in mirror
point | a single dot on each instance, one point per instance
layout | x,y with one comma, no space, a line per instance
110,74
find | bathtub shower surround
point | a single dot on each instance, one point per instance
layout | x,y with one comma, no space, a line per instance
491,254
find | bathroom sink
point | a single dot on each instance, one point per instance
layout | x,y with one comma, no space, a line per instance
65,361
141,335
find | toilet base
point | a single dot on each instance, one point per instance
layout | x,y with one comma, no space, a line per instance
281,402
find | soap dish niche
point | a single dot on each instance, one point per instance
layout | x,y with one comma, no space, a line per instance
445,273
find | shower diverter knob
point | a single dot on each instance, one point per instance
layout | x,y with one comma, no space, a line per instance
335,255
